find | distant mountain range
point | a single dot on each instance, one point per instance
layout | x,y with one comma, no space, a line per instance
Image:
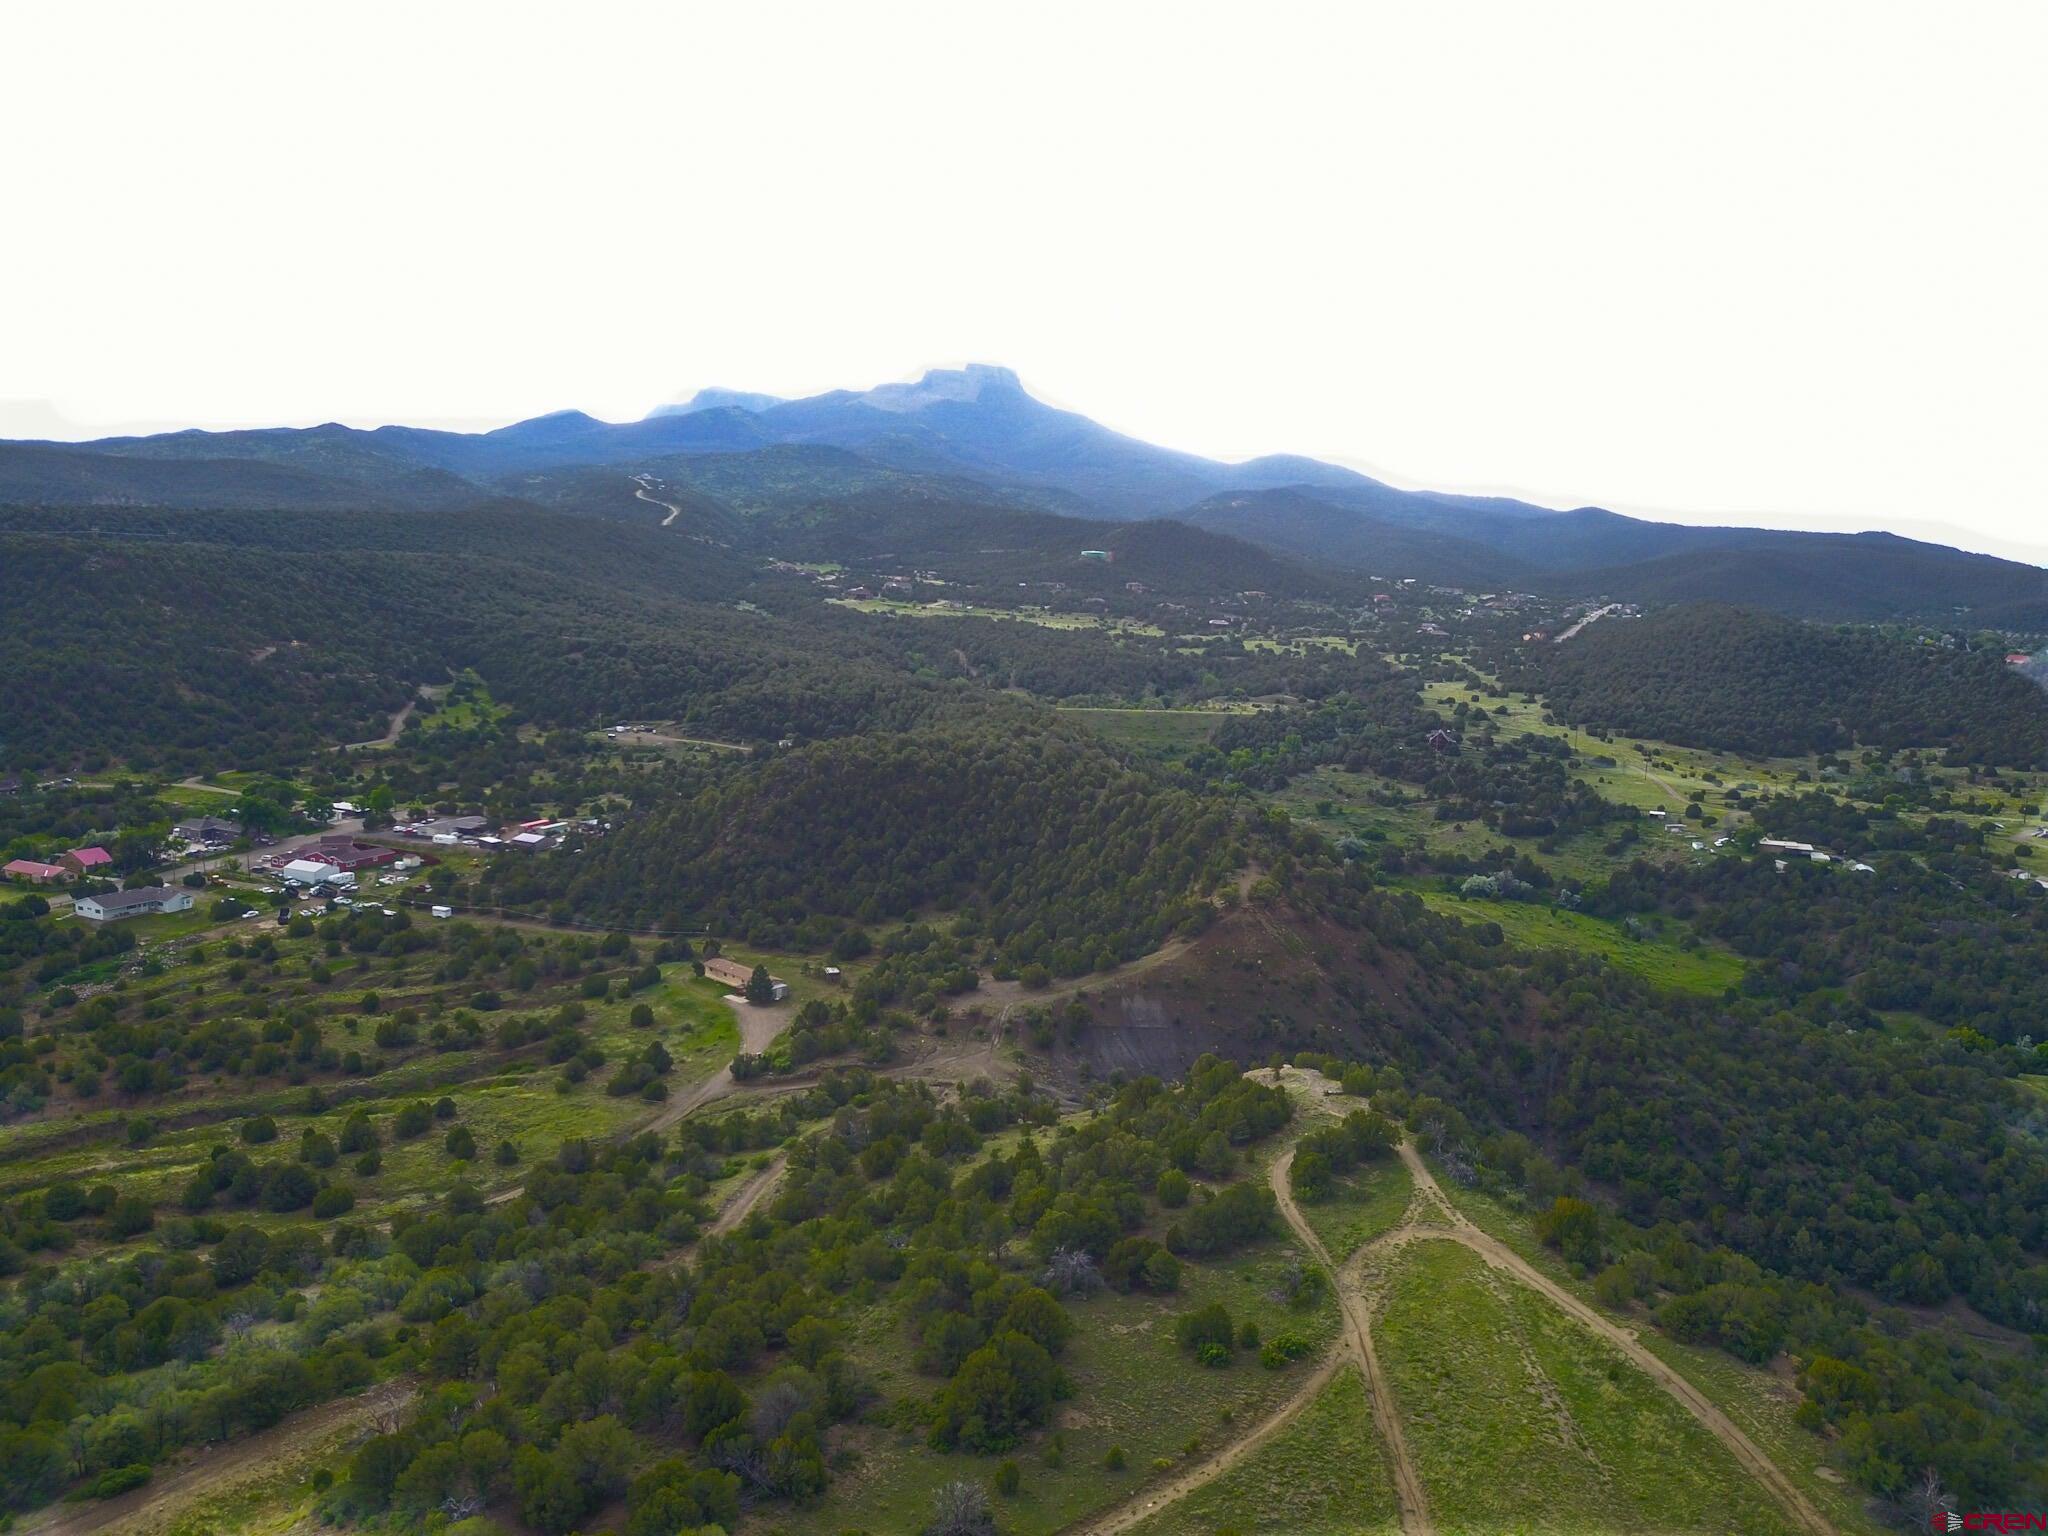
971,444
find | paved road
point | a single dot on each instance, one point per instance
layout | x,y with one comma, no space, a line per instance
1597,613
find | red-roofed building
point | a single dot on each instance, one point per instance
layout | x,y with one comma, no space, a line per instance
344,852
34,873
83,861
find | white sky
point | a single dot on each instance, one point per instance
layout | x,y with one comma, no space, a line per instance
1761,262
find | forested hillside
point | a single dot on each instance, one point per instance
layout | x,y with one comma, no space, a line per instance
1751,682
1053,853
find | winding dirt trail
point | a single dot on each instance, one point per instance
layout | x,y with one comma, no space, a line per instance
1386,1418
748,1195
392,731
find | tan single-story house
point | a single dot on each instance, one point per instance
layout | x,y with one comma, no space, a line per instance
735,975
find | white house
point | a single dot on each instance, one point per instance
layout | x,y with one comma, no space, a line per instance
116,905
1781,845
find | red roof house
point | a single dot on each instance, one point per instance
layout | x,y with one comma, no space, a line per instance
34,873
81,861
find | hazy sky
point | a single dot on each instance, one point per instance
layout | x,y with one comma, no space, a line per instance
1764,262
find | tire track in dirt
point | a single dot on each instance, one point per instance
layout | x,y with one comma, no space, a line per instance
749,1195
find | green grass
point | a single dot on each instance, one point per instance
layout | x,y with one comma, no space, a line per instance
1302,645
1760,1403
1323,1475
1363,1204
1132,1387
1520,1419
1167,734
1704,970
197,799
238,780
466,706
1045,618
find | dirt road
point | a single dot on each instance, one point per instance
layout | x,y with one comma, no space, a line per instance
216,1469
750,1194
1683,1392
1157,1497
1358,1326
1432,1217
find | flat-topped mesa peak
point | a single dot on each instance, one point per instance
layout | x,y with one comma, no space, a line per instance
975,382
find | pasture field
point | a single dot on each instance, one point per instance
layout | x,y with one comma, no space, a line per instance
1563,1433
343,1001
1363,1204
1301,645
1707,970
1044,617
1168,735
1658,775
1760,1403
466,705
1323,1475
